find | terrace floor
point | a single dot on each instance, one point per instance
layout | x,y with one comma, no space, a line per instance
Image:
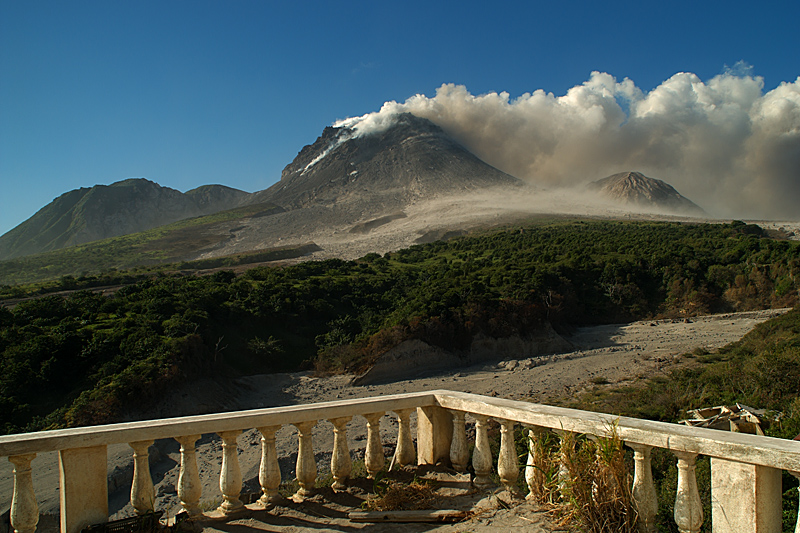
326,510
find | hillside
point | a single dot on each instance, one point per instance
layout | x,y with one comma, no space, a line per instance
351,193
341,315
158,247
104,211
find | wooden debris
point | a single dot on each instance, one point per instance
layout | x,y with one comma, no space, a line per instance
737,418
442,515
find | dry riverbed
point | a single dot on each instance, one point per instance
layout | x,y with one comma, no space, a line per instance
613,354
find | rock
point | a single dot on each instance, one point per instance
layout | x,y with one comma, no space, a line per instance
166,488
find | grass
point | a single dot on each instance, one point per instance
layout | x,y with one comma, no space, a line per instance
392,495
593,492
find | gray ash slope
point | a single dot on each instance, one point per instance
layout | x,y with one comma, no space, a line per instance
413,159
637,190
345,181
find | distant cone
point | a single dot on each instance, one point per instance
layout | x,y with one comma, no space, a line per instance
636,189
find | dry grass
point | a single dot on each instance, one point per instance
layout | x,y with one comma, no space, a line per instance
544,489
398,496
583,481
596,488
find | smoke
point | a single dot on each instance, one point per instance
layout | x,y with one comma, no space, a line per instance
723,143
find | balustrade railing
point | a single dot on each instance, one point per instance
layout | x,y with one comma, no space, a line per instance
745,469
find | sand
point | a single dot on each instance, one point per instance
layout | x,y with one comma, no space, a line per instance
612,353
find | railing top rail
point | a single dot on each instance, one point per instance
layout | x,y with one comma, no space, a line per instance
61,439
752,449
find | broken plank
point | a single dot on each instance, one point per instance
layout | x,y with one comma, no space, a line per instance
442,515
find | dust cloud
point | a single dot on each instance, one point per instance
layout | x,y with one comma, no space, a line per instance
723,143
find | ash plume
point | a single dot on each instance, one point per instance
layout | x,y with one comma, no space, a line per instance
724,143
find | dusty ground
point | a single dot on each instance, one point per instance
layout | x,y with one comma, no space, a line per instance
614,353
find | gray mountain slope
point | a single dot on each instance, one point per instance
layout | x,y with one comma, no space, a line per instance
343,181
636,189
412,160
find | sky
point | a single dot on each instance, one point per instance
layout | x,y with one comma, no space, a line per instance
187,93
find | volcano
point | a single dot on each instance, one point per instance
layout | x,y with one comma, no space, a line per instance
637,190
410,160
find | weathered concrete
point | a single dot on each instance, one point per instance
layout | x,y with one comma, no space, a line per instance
84,487
434,435
746,468
745,498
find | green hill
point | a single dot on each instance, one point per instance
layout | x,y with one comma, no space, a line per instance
103,211
172,243
94,353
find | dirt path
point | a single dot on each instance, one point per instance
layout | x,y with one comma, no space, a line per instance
612,353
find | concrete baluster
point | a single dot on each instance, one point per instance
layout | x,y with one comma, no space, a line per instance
565,442
269,472
688,507
459,451
143,496
643,489
374,458
404,454
507,461
534,476
230,478
306,466
482,455
189,488
24,509
341,464
797,524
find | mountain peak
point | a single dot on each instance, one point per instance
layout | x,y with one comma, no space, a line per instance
634,188
133,182
393,162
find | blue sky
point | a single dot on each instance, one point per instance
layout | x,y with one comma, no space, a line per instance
187,93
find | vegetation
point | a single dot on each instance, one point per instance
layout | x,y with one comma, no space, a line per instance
761,370
156,247
594,491
94,355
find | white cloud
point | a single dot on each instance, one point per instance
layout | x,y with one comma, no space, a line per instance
723,142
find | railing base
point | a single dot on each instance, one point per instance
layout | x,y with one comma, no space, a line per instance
84,487
745,498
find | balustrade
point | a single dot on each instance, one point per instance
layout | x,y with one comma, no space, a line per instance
306,467
269,472
24,509
507,461
189,488
644,490
688,507
535,477
482,455
373,456
404,454
143,496
459,450
441,437
341,464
